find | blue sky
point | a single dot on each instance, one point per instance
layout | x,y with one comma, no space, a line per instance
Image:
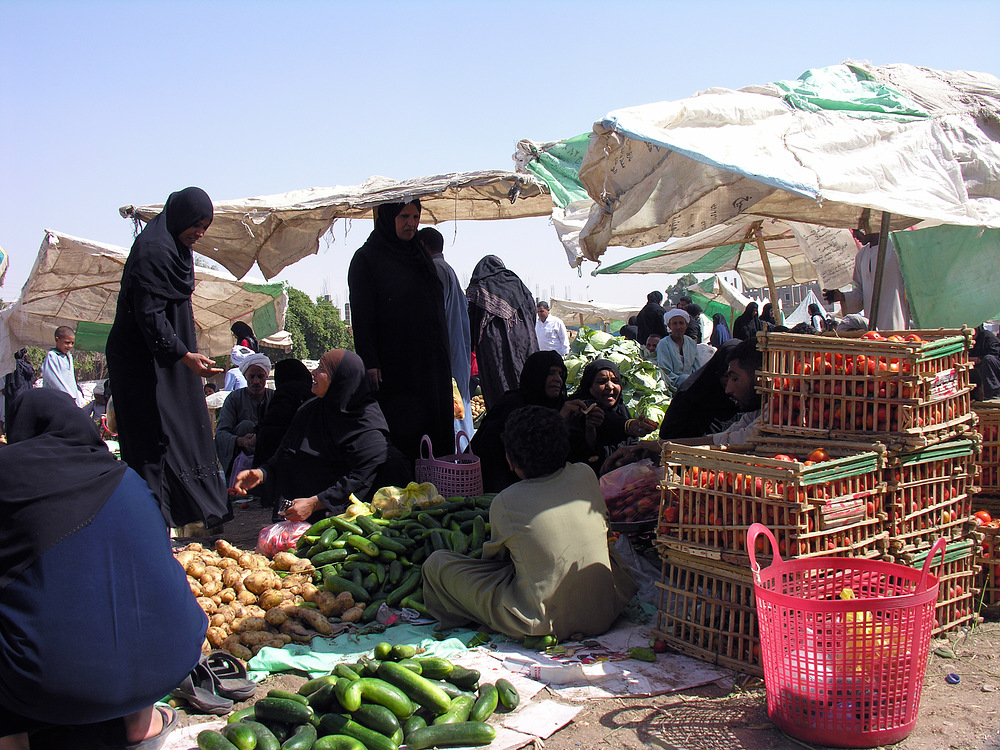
108,103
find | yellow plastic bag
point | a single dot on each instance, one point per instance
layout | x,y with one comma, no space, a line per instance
393,502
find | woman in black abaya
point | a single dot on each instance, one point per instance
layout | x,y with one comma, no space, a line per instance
400,332
985,358
337,445
701,407
164,427
746,326
502,317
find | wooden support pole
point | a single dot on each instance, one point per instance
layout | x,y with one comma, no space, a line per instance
775,304
883,250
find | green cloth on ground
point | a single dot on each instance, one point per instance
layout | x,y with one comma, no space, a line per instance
323,654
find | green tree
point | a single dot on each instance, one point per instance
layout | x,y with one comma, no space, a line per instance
679,289
316,327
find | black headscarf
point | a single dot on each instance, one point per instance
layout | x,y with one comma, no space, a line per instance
57,474
500,293
385,228
590,373
159,262
746,326
701,400
767,314
348,409
292,388
533,376
245,336
720,331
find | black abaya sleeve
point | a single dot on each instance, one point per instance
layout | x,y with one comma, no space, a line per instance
159,334
364,456
364,314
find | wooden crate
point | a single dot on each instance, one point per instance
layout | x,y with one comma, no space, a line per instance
904,394
958,582
988,560
989,430
829,508
707,611
929,493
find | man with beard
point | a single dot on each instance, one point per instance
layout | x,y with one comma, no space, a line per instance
236,431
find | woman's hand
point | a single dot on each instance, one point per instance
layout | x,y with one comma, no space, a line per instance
301,508
200,365
247,443
571,408
639,427
247,480
374,379
629,454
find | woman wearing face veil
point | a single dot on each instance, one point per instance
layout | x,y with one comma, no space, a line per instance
337,445
97,621
164,427
543,383
400,332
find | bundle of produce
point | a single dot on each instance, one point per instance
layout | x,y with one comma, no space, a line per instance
377,559
252,602
644,390
632,492
377,703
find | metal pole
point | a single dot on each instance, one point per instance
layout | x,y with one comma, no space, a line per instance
883,249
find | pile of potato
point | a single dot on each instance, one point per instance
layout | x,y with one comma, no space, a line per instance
252,602
478,406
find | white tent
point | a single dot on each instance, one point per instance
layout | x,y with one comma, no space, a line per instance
801,313
75,282
912,142
276,230
590,313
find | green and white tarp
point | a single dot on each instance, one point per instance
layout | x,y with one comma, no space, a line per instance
274,231
716,295
4,261
75,282
604,314
951,274
797,253
915,142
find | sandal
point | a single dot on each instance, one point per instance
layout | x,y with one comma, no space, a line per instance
154,743
198,688
230,675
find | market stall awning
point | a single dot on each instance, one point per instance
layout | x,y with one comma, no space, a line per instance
716,295
4,261
590,313
274,231
910,141
75,282
796,253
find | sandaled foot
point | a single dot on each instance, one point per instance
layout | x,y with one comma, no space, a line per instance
169,716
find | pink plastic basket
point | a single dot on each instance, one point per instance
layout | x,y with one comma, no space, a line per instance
845,673
457,475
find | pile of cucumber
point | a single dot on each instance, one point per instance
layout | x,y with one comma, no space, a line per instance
378,559
378,703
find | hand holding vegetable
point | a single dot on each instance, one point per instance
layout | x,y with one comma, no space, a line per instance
199,364
571,408
301,508
247,480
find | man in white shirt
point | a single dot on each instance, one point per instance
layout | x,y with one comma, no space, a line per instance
550,331
893,309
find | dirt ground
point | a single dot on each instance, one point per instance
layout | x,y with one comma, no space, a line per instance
732,714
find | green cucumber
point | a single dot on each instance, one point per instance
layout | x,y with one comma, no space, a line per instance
412,724
368,525
382,650
386,543
451,690
283,710
478,533
240,715
395,573
412,664
328,538
310,687
464,679
466,734
370,668
507,694
265,737
403,651
338,742
372,740
303,738
329,556
419,689
320,701
240,735
209,739
406,586
376,717
348,692
345,526
371,611
459,711
319,527
413,602
386,556
362,544
275,693
338,585
382,693
346,672
486,703
435,667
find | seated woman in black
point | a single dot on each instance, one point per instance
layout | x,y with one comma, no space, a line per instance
337,445
700,406
542,383
605,423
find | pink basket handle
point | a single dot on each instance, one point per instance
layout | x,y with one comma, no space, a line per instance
939,544
458,442
753,532
425,442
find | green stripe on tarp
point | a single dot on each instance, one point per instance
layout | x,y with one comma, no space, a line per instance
714,260
559,168
265,321
711,306
841,88
622,265
271,290
92,337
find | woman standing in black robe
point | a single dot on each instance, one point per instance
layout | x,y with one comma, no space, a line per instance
502,317
400,332
746,326
164,428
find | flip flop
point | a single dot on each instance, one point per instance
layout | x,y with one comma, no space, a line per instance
198,689
230,675
155,743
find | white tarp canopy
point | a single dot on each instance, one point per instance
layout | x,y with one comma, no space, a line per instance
801,313
276,230
797,253
911,141
590,313
75,282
